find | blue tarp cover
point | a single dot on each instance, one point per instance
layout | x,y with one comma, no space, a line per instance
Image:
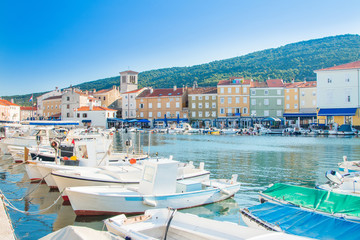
337,112
297,221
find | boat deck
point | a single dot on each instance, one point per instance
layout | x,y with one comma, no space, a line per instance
6,230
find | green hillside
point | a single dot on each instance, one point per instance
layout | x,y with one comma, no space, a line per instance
293,61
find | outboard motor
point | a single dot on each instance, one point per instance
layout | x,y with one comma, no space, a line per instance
334,177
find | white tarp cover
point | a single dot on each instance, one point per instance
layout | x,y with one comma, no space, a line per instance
80,233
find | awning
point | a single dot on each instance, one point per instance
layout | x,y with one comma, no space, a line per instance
299,115
337,112
86,121
270,119
115,120
171,119
143,121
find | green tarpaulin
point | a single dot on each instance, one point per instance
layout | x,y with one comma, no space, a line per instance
316,199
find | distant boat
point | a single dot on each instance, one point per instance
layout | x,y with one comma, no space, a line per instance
349,166
170,224
158,188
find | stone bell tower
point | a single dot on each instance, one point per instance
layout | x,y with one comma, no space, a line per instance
128,81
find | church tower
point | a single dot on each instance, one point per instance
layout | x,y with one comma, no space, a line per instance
128,81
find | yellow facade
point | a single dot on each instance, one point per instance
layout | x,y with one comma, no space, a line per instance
233,98
340,120
51,106
291,96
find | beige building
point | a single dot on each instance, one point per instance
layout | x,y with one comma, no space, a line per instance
107,96
202,106
51,106
27,113
163,105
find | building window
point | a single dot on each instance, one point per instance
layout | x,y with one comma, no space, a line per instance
229,100
302,103
200,114
287,97
278,92
141,105
159,114
295,89
84,115
206,105
104,98
193,114
177,104
206,97
295,106
278,101
253,92
266,92
302,93
200,97
200,105
214,105
67,98
287,90
245,110
253,113
237,99
245,90
229,90
287,106
78,115
168,114
295,97
150,114
207,114
329,80
244,99
266,113
141,114
222,100
150,105
347,79
67,106
221,90
313,93
158,105
348,98
213,97
193,105
222,110
213,114
67,114
184,116
314,102
237,90
266,101
253,102
278,113
168,105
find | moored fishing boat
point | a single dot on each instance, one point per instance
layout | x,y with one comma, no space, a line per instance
326,202
158,188
294,220
349,166
348,183
170,224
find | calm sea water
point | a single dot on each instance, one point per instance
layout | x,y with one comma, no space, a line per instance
258,160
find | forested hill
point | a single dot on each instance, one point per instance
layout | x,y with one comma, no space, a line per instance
293,61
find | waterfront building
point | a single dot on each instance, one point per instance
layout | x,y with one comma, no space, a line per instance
202,106
27,113
233,102
338,99
129,103
52,107
9,111
107,96
73,99
267,99
163,106
39,100
94,116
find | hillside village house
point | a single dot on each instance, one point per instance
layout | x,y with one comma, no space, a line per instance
9,111
27,113
202,106
233,102
338,99
107,96
52,107
94,116
163,106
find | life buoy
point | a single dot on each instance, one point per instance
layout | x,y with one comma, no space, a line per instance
54,144
132,161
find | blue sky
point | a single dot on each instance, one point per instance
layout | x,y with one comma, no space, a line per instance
44,44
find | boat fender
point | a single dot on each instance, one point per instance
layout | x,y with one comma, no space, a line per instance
132,161
334,177
149,202
225,191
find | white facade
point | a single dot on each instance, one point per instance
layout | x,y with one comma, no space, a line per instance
129,103
98,117
338,88
128,81
40,107
14,113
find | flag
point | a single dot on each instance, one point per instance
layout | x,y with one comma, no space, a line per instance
31,98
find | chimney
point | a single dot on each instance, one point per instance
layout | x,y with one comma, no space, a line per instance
114,87
251,80
292,80
183,89
91,106
304,80
175,88
94,91
12,100
151,90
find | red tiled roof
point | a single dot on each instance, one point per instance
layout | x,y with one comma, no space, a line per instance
275,83
7,103
352,65
129,71
102,91
301,84
205,90
53,97
95,108
28,108
163,92
235,81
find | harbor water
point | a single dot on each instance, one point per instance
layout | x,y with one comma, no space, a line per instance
258,160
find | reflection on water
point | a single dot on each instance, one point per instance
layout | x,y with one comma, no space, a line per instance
258,160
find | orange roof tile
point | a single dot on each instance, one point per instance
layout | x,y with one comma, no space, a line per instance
28,108
129,71
163,92
95,108
205,90
134,91
7,103
275,83
352,65
235,81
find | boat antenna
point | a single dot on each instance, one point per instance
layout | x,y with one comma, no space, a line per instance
149,144
168,223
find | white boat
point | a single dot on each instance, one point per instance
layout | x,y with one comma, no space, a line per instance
170,224
120,176
349,166
158,188
228,131
348,183
80,233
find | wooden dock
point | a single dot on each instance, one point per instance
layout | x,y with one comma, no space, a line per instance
6,229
